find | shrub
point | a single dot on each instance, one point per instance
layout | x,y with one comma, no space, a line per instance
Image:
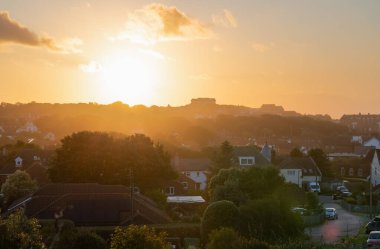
219,214
88,240
224,238
138,237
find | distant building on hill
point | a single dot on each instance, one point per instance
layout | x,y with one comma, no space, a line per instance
369,123
203,101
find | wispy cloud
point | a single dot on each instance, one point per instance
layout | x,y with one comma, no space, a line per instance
71,45
91,67
262,47
14,32
157,22
225,19
153,53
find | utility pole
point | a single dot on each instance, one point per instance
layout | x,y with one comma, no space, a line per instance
370,195
131,191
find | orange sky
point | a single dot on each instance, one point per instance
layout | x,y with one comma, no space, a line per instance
312,56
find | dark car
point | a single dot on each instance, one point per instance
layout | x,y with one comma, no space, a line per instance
372,226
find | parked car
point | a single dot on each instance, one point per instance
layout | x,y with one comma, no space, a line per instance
331,214
314,187
340,194
373,239
299,210
372,226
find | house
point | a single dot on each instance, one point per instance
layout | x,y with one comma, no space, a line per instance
372,159
183,185
91,204
300,171
194,168
33,161
28,127
248,156
372,143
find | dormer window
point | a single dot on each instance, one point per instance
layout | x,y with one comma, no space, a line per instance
247,161
18,161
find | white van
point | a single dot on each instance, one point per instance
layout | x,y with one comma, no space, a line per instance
314,187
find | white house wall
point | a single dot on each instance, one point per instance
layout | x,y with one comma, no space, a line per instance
295,178
198,177
375,170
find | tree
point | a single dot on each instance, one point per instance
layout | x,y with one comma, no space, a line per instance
219,214
99,157
268,219
138,237
320,158
224,238
22,233
17,185
223,158
296,152
227,238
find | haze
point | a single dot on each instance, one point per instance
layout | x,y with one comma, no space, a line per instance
311,56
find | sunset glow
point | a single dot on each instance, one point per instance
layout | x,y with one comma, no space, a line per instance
309,56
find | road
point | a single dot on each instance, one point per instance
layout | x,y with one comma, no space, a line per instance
332,230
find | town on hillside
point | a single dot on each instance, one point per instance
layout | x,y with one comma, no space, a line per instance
104,176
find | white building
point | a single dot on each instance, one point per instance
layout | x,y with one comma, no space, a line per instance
373,142
28,127
300,171
194,168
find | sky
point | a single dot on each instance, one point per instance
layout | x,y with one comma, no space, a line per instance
311,56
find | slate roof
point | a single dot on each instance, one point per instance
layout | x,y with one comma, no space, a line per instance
92,204
191,164
306,164
248,151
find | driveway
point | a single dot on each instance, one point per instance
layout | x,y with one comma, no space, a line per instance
332,230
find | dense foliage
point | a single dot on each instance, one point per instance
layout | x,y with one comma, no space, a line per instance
264,201
17,185
219,214
21,232
99,157
138,237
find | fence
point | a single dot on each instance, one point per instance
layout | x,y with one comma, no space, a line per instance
313,220
360,208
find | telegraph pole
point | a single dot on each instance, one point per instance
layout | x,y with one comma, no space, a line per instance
131,191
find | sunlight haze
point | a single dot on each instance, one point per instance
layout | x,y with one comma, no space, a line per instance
311,56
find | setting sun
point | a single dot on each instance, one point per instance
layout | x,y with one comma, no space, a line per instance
128,78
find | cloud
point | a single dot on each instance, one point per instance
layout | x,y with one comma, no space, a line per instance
226,19
157,22
153,54
91,67
262,47
13,32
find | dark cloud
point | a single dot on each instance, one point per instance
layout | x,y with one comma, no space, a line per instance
13,32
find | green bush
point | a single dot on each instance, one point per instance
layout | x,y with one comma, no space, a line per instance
88,240
219,214
270,220
351,200
138,237
224,238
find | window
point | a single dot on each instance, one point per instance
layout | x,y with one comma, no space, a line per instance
187,173
291,172
351,172
360,172
342,171
170,191
198,173
185,185
247,160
